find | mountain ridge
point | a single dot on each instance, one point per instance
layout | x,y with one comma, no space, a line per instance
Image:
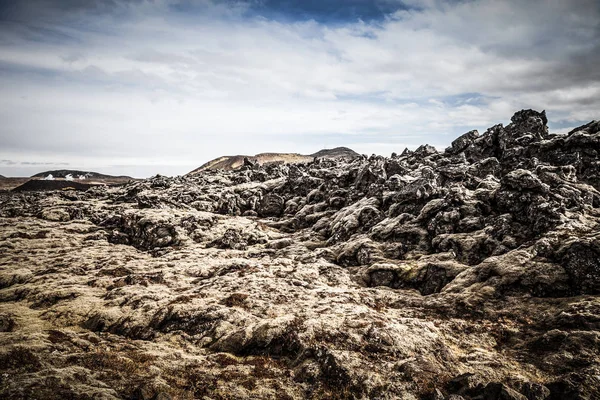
76,174
230,163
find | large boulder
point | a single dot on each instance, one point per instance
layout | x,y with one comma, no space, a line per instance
581,260
271,205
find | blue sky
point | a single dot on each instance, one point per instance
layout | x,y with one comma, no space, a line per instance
325,11
161,86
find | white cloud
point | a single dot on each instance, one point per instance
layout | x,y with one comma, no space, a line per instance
161,88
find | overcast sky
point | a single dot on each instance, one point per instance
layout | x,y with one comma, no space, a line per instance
162,86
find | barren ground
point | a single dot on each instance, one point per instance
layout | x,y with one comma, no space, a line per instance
472,274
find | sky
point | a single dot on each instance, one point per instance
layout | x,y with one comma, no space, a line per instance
162,86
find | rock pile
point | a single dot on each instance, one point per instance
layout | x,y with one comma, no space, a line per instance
472,273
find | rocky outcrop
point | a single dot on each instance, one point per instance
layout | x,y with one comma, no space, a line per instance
471,273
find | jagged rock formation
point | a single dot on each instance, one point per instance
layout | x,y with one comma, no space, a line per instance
472,273
229,163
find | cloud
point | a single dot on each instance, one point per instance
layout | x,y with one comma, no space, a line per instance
179,82
11,162
42,163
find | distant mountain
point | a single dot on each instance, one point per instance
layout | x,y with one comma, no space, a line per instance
63,173
2,177
230,163
338,152
34,185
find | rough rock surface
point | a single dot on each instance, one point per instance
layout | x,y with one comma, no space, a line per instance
472,273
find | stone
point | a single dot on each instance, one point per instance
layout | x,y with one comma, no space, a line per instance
271,205
462,142
7,322
499,391
466,274
581,261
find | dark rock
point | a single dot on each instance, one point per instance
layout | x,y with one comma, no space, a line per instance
462,142
466,384
144,392
382,278
231,239
581,260
534,391
425,150
7,322
143,232
366,177
499,391
249,163
272,205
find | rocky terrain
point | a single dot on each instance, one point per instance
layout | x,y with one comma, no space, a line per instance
472,273
229,163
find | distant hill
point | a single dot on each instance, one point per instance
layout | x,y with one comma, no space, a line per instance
2,176
63,173
230,163
43,185
338,152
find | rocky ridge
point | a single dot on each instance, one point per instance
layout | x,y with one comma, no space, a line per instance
472,273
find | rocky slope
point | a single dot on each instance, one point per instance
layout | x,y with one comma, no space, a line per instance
472,273
229,163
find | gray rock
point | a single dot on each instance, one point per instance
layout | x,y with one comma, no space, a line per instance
272,205
343,277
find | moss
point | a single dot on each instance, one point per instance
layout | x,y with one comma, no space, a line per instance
20,359
235,300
